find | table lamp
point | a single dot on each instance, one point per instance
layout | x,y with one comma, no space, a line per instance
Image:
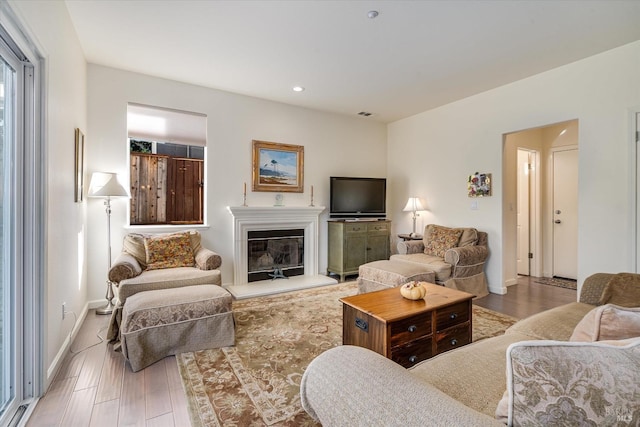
413,205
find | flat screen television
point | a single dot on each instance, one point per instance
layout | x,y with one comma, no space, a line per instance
357,198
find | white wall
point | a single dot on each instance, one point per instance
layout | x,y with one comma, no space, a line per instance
333,145
453,141
49,25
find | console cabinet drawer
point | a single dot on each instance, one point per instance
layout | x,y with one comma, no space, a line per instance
452,315
355,228
453,337
410,329
412,352
378,227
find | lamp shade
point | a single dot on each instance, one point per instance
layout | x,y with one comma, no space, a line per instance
105,184
413,204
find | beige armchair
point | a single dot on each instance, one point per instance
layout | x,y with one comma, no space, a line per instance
161,261
456,255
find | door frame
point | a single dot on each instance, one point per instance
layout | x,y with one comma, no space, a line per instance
535,213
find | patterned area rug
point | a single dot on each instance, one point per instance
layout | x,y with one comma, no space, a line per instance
557,282
256,382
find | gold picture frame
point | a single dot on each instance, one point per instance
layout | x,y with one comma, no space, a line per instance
79,165
278,167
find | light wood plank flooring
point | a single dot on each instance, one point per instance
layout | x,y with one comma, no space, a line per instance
95,387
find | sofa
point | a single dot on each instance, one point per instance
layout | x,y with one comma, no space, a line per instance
160,261
456,255
540,372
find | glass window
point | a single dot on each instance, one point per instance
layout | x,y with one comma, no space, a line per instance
167,164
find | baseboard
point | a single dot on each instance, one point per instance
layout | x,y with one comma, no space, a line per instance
500,290
55,365
510,282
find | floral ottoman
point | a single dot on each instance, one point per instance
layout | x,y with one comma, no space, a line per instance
384,274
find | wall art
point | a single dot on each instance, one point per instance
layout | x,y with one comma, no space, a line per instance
79,166
278,167
479,185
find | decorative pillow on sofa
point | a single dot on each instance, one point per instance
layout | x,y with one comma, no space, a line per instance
469,237
571,383
438,239
608,322
623,289
133,244
169,251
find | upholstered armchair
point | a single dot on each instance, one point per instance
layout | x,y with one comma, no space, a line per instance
161,261
457,256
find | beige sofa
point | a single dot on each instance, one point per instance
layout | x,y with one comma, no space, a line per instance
456,255
353,386
131,274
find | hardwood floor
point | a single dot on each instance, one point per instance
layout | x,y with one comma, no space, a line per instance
95,387
527,298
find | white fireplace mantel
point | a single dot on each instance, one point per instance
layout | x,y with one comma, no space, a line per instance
255,218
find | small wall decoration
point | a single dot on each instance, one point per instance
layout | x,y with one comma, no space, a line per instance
79,165
479,185
278,167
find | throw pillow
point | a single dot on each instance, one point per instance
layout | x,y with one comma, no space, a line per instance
469,237
608,322
623,289
441,239
169,251
133,244
570,383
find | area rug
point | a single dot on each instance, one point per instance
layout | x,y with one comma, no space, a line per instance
557,282
257,382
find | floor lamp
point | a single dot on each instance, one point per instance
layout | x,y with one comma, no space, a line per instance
413,205
105,185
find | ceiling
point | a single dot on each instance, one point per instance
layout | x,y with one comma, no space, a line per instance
416,55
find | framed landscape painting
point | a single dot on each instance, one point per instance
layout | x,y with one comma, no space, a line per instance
278,167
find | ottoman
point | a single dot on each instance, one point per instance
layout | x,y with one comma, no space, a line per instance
384,274
159,323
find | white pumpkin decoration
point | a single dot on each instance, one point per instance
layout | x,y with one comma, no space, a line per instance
413,290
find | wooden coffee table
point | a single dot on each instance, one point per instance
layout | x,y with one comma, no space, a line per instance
407,331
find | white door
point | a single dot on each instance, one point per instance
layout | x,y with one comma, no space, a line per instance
522,212
565,213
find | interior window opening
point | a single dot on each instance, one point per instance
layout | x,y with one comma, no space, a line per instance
167,152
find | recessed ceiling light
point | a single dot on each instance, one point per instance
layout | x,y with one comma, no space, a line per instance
298,89
372,14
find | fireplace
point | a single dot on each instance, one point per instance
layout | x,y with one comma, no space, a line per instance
275,254
249,219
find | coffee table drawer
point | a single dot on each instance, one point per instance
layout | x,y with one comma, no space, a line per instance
412,352
410,329
451,338
452,315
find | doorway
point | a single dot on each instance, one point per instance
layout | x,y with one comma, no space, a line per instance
528,202
22,216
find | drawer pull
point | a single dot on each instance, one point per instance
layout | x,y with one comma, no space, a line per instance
412,328
453,316
362,324
454,342
413,359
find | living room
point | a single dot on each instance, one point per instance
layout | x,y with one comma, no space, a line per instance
429,154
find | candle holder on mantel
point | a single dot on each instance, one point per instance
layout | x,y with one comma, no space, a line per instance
244,194
311,204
